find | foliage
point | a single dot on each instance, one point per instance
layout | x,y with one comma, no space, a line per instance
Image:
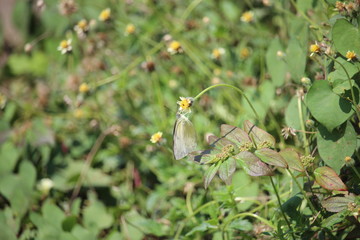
87,111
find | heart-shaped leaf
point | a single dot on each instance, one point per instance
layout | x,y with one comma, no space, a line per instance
328,179
252,164
292,158
346,37
271,157
328,108
336,145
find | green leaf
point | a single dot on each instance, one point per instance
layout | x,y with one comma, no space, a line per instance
346,37
339,72
210,173
328,179
296,59
258,135
9,155
227,169
241,225
252,164
336,145
334,219
229,9
276,65
96,217
337,204
271,157
292,159
244,187
203,227
340,86
327,108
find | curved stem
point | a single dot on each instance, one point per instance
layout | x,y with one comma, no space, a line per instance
351,86
303,192
233,87
281,209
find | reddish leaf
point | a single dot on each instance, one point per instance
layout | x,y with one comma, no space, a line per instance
271,157
235,134
292,159
252,164
328,179
260,136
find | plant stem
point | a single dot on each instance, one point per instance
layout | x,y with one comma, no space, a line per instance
301,118
355,170
281,209
351,86
188,204
182,224
233,87
303,192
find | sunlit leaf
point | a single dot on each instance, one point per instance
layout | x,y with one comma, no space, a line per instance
328,179
292,159
260,136
271,157
252,164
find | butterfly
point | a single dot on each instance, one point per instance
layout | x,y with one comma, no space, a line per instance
184,137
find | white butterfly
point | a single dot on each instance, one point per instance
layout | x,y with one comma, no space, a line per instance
184,137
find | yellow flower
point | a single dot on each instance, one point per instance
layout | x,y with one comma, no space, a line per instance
65,46
105,15
351,56
247,16
175,47
217,53
185,104
244,53
130,29
347,159
84,88
81,28
79,113
314,48
156,137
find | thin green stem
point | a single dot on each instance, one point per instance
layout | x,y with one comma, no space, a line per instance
301,118
188,204
182,224
235,88
355,170
281,209
350,83
303,193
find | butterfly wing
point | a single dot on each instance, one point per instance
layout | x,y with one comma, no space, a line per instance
184,137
